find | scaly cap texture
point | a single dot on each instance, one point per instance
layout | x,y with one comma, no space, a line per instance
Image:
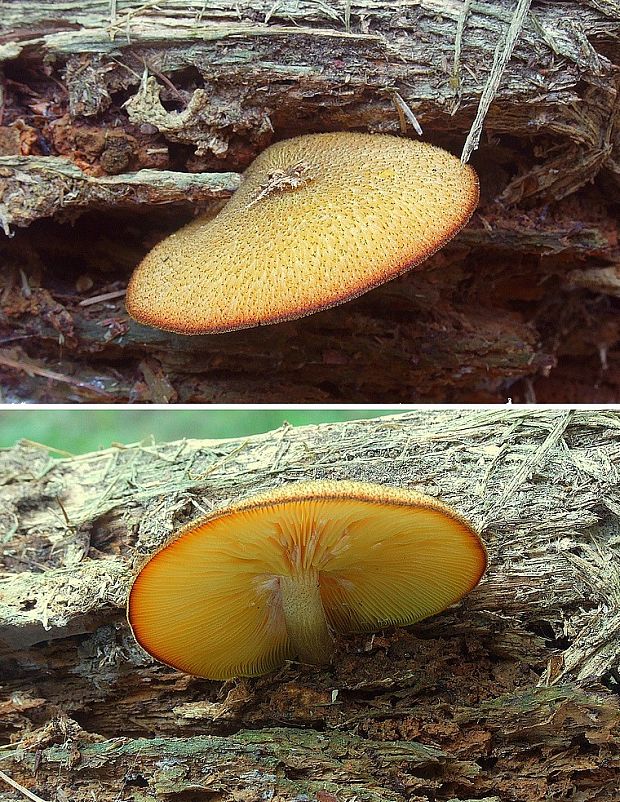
318,220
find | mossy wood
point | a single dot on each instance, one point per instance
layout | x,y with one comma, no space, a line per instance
125,117
511,695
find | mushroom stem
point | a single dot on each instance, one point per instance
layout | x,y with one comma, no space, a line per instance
305,618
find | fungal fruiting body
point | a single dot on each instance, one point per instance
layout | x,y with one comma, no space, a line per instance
317,220
274,577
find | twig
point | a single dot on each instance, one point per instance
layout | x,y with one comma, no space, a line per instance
44,447
20,788
271,12
164,80
34,370
405,113
282,446
503,52
458,41
106,296
201,476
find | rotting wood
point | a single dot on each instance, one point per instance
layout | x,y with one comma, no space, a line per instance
510,694
557,83
45,186
433,334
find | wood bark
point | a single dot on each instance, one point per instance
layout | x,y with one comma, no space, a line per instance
510,696
113,113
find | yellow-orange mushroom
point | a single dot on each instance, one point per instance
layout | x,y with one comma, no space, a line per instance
274,577
317,220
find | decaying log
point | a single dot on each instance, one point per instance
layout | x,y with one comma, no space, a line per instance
267,68
50,184
128,113
425,336
511,695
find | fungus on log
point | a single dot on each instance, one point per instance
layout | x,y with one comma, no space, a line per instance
279,574
511,694
116,129
317,221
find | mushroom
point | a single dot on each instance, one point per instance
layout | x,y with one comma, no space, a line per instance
275,576
317,220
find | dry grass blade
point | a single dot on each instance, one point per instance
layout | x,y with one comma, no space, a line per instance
106,296
31,369
502,56
24,791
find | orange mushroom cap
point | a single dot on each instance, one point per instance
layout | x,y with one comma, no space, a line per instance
317,220
240,591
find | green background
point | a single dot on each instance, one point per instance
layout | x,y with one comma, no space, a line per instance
80,430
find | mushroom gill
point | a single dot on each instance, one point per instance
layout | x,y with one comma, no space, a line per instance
276,576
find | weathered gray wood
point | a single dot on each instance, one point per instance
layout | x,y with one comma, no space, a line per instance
294,65
515,680
44,186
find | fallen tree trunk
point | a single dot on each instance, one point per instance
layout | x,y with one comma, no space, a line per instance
115,111
511,695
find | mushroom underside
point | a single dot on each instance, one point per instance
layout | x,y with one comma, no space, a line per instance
241,593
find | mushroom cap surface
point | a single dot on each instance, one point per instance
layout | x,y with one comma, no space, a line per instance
317,220
209,602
